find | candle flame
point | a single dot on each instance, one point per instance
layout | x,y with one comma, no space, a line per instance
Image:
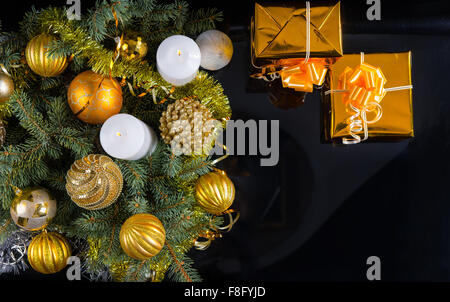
118,133
179,52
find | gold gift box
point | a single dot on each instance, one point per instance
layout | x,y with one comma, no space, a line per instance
279,31
397,113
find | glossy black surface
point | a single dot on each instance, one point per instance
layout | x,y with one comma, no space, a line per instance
323,210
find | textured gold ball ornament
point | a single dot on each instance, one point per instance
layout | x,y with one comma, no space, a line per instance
94,182
39,62
33,208
142,236
94,98
216,49
48,252
134,48
182,116
215,192
6,87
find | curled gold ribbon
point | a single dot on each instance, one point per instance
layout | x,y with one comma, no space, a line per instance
363,91
205,238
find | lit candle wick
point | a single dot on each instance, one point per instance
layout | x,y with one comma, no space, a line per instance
179,52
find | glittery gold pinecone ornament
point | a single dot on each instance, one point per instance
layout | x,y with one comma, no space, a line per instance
94,182
188,126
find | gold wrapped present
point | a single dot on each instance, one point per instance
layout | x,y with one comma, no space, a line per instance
368,96
279,31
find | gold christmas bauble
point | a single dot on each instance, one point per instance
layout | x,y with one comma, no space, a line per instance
6,87
94,182
94,98
39,62
33,208
216,49
48,252
142,236
215,192
188,126
134,48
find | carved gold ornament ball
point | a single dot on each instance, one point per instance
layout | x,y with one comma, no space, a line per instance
33,208
38,60
142,236
94,182
215,192
48,252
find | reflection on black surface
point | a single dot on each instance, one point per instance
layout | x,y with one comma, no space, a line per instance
272,202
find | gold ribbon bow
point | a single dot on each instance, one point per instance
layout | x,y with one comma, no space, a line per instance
364,85
304,74
363,89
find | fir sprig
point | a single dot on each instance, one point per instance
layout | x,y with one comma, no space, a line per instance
45,138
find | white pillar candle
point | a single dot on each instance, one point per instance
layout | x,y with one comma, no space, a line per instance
178,59
125,137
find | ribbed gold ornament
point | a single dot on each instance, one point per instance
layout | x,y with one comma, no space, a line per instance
142,236
94,182
48,252
39,62
215,192
33,208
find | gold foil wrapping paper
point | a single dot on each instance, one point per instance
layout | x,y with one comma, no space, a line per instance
396,121
279,31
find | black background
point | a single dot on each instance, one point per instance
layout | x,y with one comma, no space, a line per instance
402,213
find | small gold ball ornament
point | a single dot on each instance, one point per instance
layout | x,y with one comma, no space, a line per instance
94,182
39,62
6,87
33,208
48,252
142,236
188,126
215,192
94,98
134,48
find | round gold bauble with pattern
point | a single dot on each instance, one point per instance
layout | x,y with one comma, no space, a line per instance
215,192
94,182
188,126
39,62
94,98
6,87
48,252
33,208
142,236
